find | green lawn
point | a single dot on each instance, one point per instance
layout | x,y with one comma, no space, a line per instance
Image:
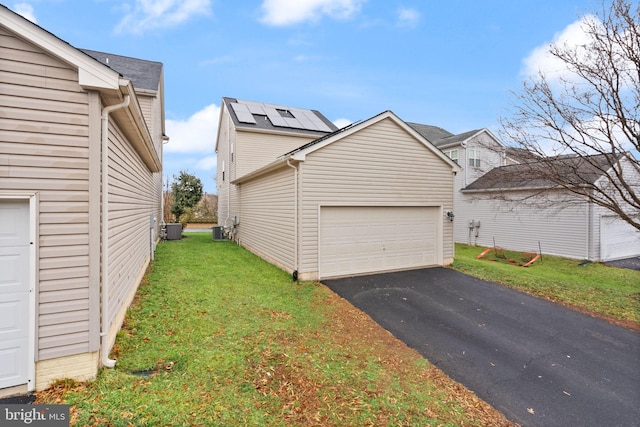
217,336
593,287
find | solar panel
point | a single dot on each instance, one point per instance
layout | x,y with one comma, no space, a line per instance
242,112
301,118
275,117
317,122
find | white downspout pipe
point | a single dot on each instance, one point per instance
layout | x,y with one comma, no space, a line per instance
104,318
295,217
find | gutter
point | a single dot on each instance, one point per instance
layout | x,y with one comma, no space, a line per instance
295,219
104,321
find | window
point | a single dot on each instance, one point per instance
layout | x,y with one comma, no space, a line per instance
453,155
474,157
223,170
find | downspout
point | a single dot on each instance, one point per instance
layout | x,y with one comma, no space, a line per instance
226,220
295,218
104,321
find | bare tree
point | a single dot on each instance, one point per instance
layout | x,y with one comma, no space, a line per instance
589,114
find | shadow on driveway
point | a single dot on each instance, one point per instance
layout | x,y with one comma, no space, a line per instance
535,361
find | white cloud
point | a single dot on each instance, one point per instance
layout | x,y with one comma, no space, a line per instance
541,60
197,134
207,163
26,11
407,17
340,123
151,14
289,12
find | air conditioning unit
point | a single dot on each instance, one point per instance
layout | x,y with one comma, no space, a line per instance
174,231
218,233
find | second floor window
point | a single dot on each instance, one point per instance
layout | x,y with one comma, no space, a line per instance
453,155
474,157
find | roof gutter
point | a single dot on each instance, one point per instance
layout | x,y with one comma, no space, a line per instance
104,321
295,218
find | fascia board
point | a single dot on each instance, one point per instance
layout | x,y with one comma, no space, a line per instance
91,73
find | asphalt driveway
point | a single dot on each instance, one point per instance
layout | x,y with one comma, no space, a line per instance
537,362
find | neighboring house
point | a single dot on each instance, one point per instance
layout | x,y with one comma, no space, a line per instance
81,136
320,202
483,216
554,220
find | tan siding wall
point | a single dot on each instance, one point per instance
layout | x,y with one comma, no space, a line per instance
132,190
268,217
223,155
44,147
255,150
146,105
561,232
380,165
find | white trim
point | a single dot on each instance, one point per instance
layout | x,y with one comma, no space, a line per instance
32,198
91,73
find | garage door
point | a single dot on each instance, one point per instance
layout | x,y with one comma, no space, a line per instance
362,240
14,293
618,239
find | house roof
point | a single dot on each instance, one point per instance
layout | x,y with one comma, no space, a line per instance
277,118
431,133
142,73
456,139
574,170
442,137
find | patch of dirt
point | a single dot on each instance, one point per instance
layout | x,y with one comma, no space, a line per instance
307,398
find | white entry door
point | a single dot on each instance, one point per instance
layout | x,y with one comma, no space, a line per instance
14,293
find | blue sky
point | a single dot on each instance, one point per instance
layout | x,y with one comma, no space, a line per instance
447,63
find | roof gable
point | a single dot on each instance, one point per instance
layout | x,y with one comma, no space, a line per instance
91,73
301,152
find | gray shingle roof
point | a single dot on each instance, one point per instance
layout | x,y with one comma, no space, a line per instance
431,133
455,139
546,173
142,73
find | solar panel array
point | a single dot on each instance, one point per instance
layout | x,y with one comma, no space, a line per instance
293,118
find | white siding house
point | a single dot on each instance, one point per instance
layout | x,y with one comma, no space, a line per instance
483,215
80,185
368,198
519,210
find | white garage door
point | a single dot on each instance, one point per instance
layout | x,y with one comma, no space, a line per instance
14,293
618,239
361,240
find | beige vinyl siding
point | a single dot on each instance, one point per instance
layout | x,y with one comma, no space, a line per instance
559,230
257,149
132,201
223,157
151,110
268,216
379,165
44,148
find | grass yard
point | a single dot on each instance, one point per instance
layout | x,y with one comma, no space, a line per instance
598,289
217,336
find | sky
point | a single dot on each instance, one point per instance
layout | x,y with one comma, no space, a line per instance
452,64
